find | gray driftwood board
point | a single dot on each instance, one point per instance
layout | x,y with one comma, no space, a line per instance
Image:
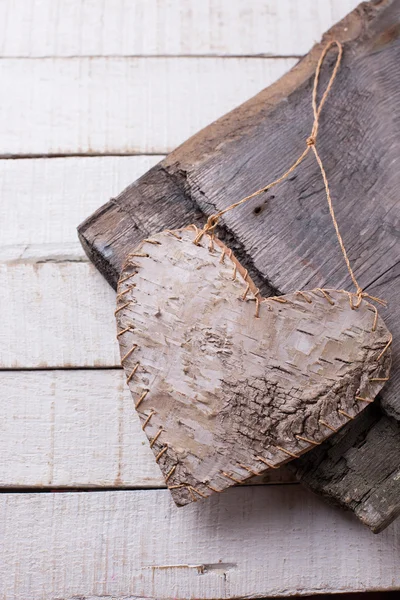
285,239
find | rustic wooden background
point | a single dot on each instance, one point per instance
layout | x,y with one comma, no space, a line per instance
93,93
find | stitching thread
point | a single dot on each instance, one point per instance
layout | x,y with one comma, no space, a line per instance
142,397
287,452
155,438
129,328
127,355
170,473
135,368
327,425
153,412
345,414
159,455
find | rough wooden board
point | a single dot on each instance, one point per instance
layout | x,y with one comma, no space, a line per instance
275,541
58,431
208,174
120,105
54,195
155,27
225,385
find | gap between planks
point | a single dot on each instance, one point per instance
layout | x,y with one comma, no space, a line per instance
156,56
77,155
62,368
51,489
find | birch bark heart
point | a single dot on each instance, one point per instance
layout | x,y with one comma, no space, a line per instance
223,394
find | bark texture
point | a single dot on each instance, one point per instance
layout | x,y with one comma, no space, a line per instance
227,383
286,239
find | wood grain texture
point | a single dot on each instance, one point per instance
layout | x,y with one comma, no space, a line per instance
56,314
284,229
228,384
120,105
275,541
71,429
54,195
36,28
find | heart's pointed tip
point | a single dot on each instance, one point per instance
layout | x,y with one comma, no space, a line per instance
185,494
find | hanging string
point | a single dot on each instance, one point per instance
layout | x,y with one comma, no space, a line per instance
310,145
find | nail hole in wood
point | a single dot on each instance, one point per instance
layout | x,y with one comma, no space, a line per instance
258,209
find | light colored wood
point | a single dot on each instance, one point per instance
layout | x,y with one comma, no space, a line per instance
157,27
254,543
75,428
56,315
121,105
224,381
71,429
43,200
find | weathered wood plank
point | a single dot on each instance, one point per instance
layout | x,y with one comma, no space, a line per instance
56,315
54,195
71,429
270,541
280,236
120,105
154,27
76,429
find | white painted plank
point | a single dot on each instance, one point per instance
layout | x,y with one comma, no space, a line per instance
71,429
248,542
121,105
165,27
56,314
74,429
44,200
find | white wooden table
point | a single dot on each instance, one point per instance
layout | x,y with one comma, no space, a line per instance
93,93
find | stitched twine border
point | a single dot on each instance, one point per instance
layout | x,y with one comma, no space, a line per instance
237,267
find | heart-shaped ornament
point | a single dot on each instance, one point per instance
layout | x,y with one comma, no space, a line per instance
228,384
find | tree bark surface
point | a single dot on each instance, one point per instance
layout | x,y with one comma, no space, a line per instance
285,239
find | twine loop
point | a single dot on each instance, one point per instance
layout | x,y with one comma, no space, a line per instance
361,294
209,227
310,145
